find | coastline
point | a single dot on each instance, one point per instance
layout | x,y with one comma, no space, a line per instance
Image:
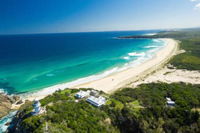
121,79
113,82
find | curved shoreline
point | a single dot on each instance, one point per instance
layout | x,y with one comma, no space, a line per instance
116,80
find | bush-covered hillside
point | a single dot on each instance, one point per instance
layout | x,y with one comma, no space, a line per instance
64,114
153,115
140,110
190,42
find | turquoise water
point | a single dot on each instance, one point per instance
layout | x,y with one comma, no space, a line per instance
31,62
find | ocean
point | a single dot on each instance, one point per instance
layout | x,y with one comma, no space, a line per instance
29,63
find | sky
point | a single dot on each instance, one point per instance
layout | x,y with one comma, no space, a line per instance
52,16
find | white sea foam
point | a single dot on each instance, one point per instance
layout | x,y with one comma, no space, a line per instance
157,40
151,46
3,91
126,58
152,51
138,61
5,120
136,54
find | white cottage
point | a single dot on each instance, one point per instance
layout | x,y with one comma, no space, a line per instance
82,94
170,102
96,101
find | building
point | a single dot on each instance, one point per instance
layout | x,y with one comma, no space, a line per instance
94,93
36,107
96,101
82,94
170,102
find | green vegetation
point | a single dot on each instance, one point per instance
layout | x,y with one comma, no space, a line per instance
154,115
70,116
190,42
65,114
142,109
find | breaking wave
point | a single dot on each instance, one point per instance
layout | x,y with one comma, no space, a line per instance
136,54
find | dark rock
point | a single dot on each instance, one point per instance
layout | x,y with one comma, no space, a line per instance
19,117
13,98
7,124
16,98
19,102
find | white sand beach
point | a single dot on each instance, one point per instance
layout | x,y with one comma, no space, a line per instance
117,80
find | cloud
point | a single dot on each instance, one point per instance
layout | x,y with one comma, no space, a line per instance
197,6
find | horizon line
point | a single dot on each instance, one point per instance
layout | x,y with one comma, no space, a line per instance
37,33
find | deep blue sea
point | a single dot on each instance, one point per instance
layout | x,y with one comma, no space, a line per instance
32,62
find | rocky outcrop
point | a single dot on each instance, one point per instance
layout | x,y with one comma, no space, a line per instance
16,124
6,103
